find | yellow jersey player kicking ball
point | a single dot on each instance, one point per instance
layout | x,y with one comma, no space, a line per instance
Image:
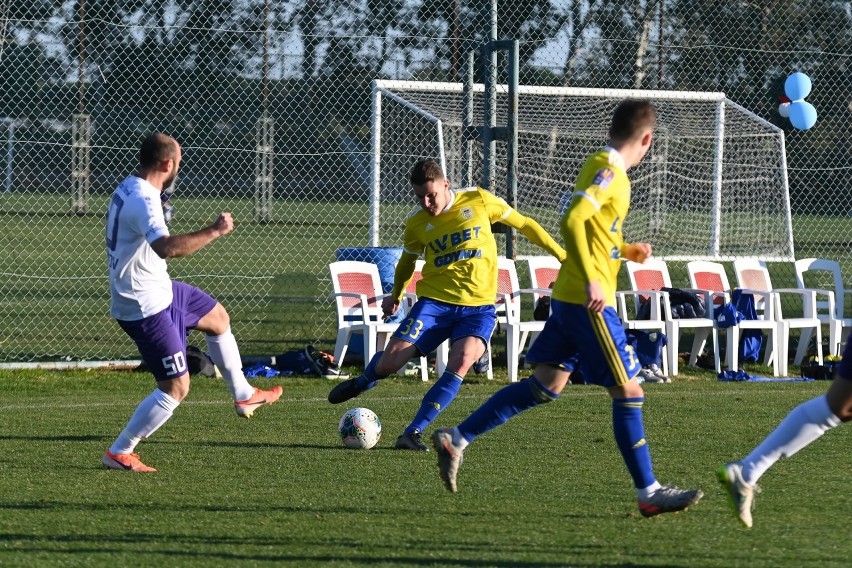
455,299
583,327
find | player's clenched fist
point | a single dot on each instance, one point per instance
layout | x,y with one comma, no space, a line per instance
225,223
389,306
637,252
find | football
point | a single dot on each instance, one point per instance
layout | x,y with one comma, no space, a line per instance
360,429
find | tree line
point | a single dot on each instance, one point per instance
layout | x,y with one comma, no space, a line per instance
216,65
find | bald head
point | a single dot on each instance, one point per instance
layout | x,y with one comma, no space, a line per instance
159,160
156,149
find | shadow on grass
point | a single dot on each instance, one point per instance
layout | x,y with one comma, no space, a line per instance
58,438
243,445
348,555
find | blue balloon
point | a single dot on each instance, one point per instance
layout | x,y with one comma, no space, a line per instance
797,86
803,115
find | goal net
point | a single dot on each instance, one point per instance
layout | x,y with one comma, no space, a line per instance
713,186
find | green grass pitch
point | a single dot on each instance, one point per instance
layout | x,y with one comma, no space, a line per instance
548,489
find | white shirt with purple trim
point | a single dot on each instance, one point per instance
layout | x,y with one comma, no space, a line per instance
138,279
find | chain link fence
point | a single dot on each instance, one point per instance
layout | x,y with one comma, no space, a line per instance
271,102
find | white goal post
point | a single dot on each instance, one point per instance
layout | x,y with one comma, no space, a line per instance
713,186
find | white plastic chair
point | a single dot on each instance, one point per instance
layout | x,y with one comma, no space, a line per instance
653,275
711,276
509,303
831,310
753,274
543,272
358,296
656,322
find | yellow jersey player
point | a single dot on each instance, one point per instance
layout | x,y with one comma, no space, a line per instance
583,327
455,299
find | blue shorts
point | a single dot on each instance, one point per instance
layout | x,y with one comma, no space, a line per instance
430,323
161,338
573,335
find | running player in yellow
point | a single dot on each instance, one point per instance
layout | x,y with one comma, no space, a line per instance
583,327
455,299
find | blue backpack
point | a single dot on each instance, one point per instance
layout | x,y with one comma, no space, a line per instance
751,340
648,345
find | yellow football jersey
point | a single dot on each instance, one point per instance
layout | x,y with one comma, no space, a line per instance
459,248
591,228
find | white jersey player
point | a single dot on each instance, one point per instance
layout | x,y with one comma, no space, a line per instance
156,311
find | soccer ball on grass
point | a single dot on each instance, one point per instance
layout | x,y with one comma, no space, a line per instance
360,428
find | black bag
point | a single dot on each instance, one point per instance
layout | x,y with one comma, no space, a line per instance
482,364
309,361
542,308
199,363
296,361
825,372
541,311
684,305
817,372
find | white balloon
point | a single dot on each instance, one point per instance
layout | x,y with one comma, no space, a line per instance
784,109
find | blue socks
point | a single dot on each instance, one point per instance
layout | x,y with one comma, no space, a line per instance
504,404
630,438
626,423
437,399
369,377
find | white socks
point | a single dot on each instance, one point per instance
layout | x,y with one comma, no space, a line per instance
151,413
803,425
459,441
648,492
226,355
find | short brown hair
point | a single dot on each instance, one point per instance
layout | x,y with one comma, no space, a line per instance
426,169
631,117
156,148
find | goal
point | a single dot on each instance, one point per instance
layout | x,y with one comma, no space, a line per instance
713,186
